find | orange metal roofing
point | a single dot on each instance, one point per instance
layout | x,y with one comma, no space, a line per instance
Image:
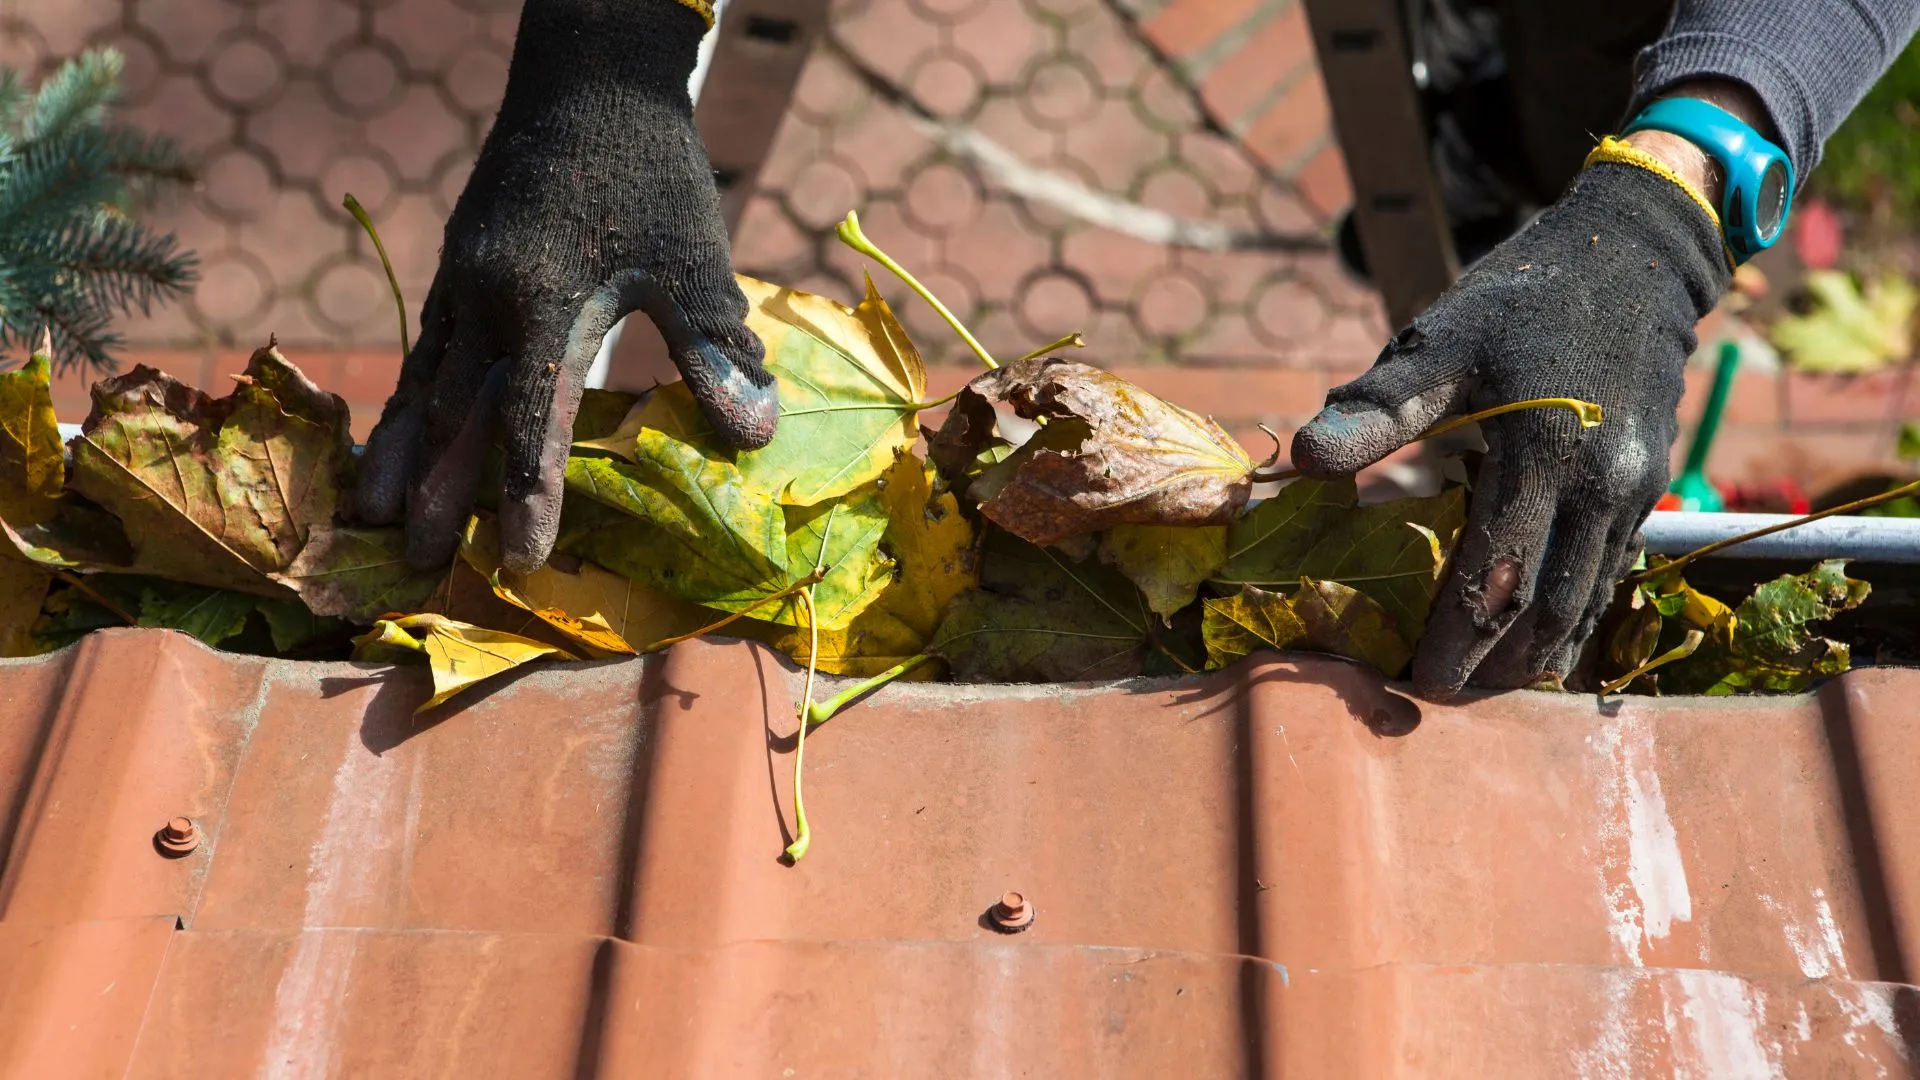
1285,869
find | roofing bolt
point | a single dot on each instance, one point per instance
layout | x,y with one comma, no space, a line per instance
178,837
1012,914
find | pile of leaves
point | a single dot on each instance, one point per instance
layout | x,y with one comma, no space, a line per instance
1062,525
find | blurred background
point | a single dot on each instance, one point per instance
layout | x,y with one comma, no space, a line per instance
1160,174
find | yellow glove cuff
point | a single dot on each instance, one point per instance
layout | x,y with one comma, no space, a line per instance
1621,152
703,8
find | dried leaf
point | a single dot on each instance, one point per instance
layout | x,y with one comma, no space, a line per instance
591,632
358,574
850,387
32,464
1850,330
1395,552
459,654
1041,617
634,614
1346,622
930,543
218,493
1167,562
1138,461
1252,619
23,589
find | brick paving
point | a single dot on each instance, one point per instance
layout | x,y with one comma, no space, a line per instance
1206,112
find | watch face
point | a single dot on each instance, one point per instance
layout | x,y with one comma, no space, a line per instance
1771,205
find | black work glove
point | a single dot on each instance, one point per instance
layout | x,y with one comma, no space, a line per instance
592,197
1596,299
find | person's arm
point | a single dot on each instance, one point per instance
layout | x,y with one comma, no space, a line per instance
1804,64
1596,299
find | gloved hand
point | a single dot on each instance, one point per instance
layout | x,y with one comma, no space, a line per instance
1596,299
592,197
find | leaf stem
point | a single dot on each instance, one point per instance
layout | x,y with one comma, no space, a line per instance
849,233
920,406
360,215
802,834
1678,652
73,580
1590,416
804,583
1071,341
1858,504
822,711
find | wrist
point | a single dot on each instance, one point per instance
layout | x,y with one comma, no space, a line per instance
1689,161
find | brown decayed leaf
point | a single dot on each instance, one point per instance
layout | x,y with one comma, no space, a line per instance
215,492
1141,461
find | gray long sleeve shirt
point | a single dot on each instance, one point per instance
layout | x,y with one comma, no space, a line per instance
1810,61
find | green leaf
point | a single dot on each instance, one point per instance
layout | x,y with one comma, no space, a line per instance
212,615
1268,545
218,493
850,386
358,574
70,614
1850,330
293,627
1041,617
1252,619
1771,645
695,529
1347,622
843,536
1909,447
930,543
1395,552
32,464
1167,562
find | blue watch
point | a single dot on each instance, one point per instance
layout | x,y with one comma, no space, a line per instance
1759,177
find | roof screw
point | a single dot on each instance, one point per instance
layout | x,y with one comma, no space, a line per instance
178,837
1012,914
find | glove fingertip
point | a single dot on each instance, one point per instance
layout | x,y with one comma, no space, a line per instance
528,529
1343,439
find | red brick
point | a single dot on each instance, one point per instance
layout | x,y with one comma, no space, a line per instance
1323,183
1184,27
1815,459
1275,54
1292,126
1754,398
1857,401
